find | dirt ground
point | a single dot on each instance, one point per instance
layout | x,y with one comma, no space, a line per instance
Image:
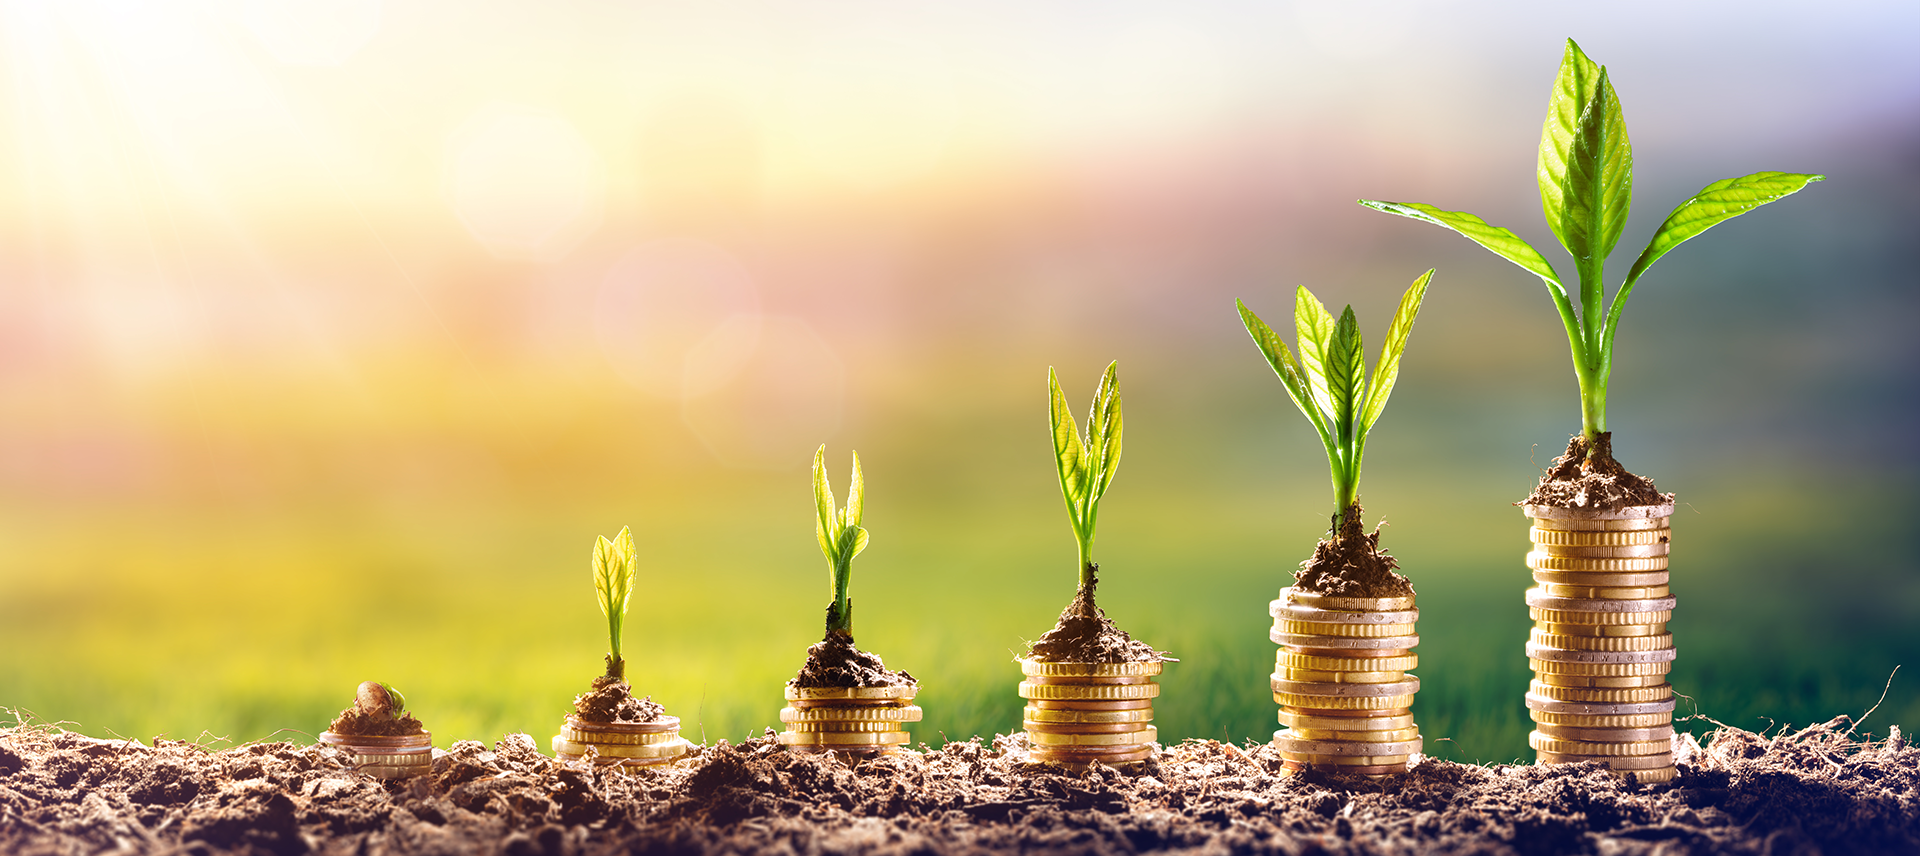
1815,790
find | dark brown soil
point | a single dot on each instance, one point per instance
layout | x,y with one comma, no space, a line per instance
612,701
1817,790
1084,634
836,662
373,715
1597,482
1352,565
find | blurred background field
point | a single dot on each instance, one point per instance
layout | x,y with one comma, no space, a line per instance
330,340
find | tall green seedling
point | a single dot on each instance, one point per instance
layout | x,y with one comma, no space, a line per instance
1328,381
1585,172
841,538
614,564
1086,462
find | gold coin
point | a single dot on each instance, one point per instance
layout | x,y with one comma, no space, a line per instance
382,771
1078,756
1345,760
1590,524
1339,703
1558,667
1085,704
1607,592
1649,777
1037,668
1037,714
1387,735
1580,578
1083,727
1638,551
1407,685
1663,733
1315,628
851,693
412,759
1365,722
612,738
1291,741
843,738
1555,628
1088,692
1607,681
1315,676
1602,695
844,726
1590,619
1345,604
659,750
419,740
1542,562
1149,734
1626,721
1602,538
861,713
1572,642
1293,660
1545,743
1617,762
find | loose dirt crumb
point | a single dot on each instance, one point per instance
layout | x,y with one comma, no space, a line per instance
1084,634
1600,484
1816,790
1352,565
372,715
836,662
612,701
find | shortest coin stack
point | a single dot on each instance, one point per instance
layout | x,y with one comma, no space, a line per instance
1341,682
1078,713
1600,649
386,757
849,720
630,744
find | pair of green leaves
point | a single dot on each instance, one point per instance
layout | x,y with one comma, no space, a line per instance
840,535
1585,173
614,565
1329,381
1086,463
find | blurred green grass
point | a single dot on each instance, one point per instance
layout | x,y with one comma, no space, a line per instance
243,616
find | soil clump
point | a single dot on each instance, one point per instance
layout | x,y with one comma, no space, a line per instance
1589,478
373,715
1352,564
1816,790
612,701
1084,634
835,661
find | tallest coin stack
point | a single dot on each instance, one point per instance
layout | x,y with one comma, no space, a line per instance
1600,649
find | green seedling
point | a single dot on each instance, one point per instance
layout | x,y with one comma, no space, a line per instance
1586,184
1329,381
841,538
376,697
1087,462
614,564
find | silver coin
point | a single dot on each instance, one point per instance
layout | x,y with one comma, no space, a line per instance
1315,688
1296,612
1542,703
1575,655
1631,512
1286,742
1535,598
1353,643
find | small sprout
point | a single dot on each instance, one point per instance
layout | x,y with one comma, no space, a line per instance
377,699
1586,185
841,538
614,563
1086,463
1329,382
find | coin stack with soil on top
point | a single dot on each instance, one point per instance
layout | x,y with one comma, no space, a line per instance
845,700
1346,635
1600,649
615,728
1089,689
380,737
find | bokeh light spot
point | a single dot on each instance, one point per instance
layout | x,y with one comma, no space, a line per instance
784,398
867,114
660,300
525,184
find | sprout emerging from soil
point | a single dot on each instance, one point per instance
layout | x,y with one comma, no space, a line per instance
378,710
841,538
613,569
1586,185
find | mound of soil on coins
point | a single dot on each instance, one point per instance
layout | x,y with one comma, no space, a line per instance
1352,565
1599,483
1084,634
1816,790
836,662
372,715
612,701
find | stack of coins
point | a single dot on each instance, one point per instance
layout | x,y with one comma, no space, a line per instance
386,757
848,720
630,744
1078,713
1341,681
1600,649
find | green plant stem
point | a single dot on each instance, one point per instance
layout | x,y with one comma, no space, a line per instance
840,614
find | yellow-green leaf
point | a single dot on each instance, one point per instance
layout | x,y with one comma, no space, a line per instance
1069,453
1718,202
827,524
1314,327
1501,241
1387,369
